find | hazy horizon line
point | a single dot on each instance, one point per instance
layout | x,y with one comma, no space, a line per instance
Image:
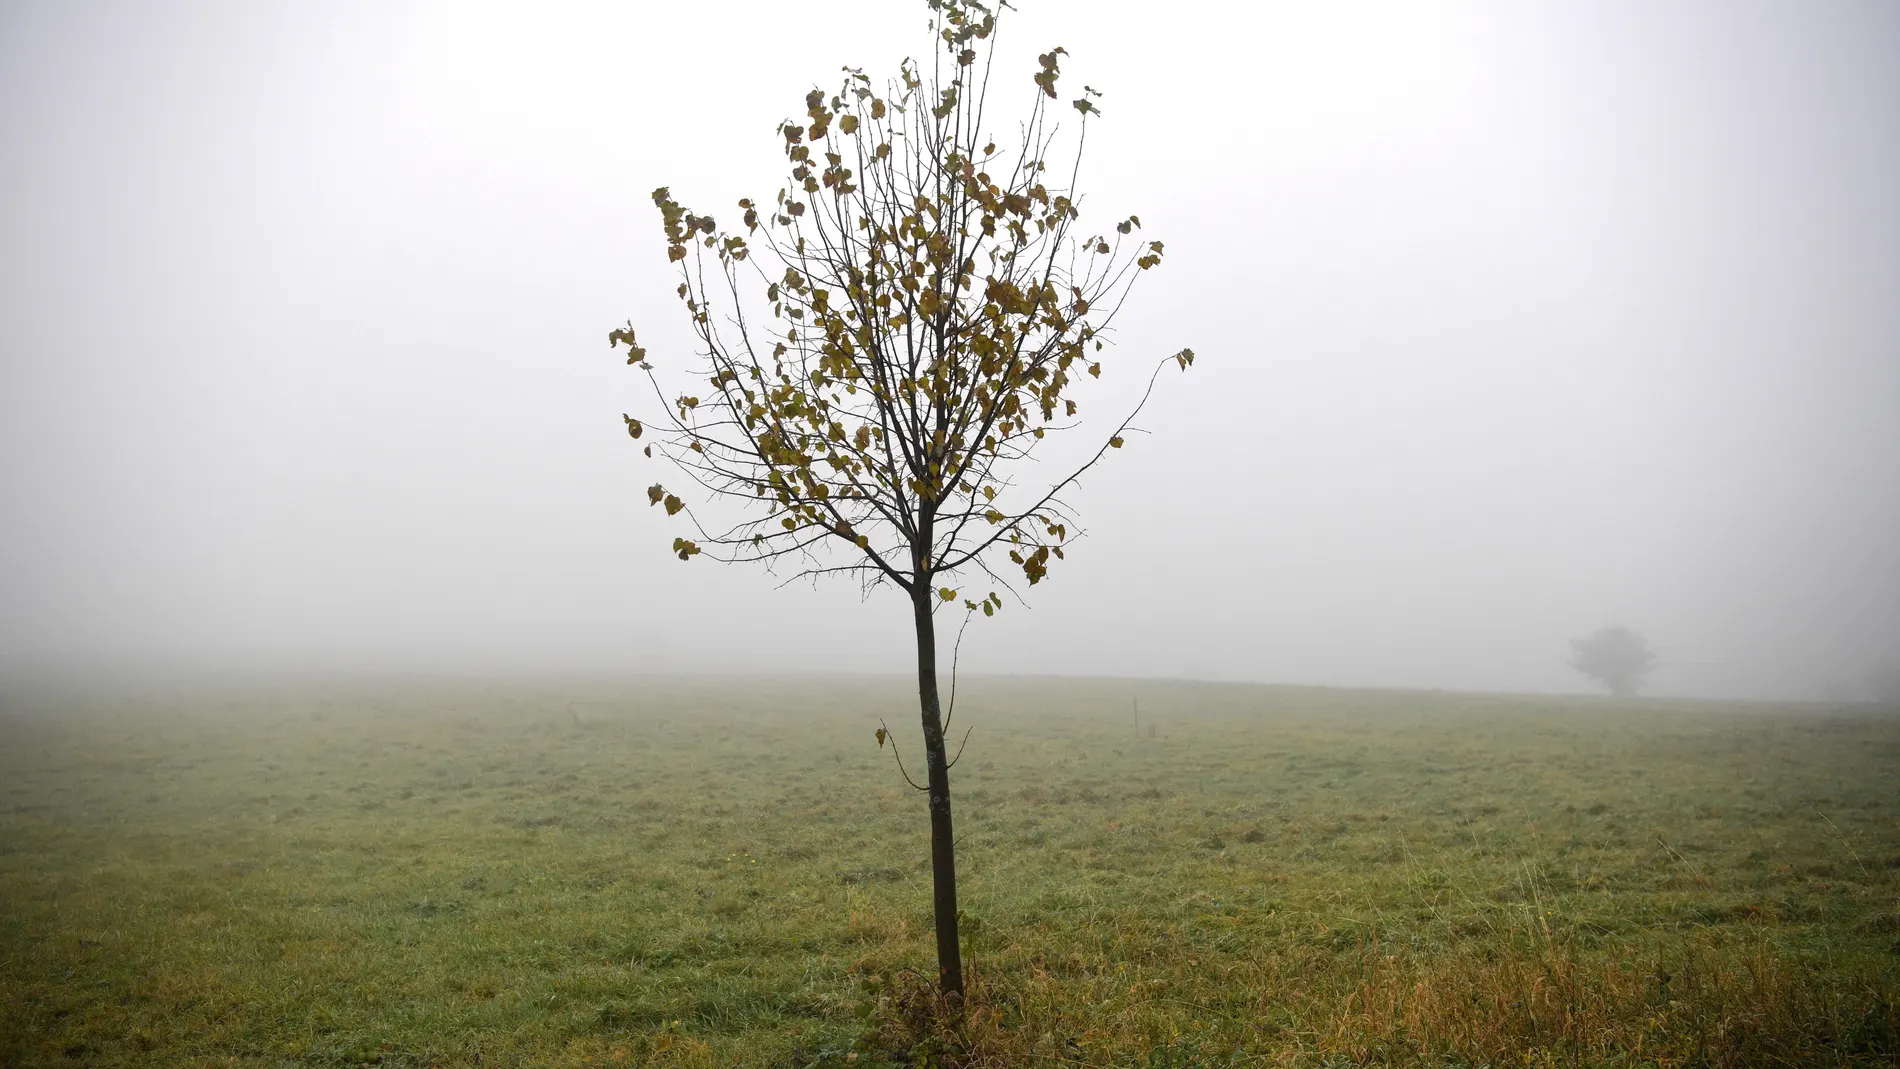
82,682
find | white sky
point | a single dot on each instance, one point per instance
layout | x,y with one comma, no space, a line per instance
1513,319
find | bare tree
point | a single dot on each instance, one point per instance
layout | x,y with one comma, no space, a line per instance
897,334
1615,656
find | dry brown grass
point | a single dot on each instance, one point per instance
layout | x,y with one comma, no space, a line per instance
1713,1003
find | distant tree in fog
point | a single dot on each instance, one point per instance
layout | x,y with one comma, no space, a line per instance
1614,656
883,348
1886,685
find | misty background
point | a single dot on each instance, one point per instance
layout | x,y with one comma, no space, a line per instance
1513,320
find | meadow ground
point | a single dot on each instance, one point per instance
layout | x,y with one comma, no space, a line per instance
695,873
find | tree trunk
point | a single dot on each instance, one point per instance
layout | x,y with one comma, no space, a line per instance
943,844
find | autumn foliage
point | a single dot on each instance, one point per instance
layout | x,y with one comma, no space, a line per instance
896,330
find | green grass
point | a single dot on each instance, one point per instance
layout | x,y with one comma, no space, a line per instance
699,873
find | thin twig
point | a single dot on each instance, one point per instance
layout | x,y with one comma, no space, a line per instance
900,760
955,653
960,746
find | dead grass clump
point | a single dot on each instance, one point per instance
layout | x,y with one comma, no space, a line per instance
1703,1008
1716,1006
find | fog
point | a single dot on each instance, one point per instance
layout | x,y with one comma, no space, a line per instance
1513,320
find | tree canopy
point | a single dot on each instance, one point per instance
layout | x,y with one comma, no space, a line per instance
901,326
1615,656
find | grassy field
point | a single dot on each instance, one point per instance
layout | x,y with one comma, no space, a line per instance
695,873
